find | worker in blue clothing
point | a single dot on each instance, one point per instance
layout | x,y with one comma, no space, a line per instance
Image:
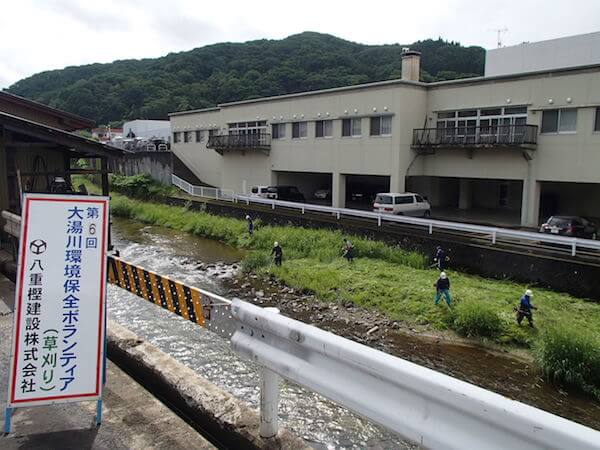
442,286
525,308
439,258
250,225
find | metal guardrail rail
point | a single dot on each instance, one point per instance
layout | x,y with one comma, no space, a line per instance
203,191
430,225
429,408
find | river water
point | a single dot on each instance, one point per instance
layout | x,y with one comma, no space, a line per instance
321,423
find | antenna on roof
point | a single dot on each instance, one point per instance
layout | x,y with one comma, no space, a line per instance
500,32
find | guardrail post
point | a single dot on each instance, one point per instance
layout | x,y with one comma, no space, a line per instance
269,399
430,228
494,237
379,220
217,194
574,248
303,210
201,191
338,215
273,205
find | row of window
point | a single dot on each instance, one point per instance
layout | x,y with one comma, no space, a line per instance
191,136
379,126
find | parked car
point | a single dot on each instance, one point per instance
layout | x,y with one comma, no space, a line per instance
573,226
259,191
287,193
408,204
322,194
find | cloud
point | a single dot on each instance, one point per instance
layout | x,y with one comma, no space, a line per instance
95,16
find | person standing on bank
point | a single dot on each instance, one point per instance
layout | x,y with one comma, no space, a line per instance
278,253
250,225
525,307
442,286
348,251
440,258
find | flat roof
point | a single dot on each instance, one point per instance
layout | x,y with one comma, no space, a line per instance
78,122
385,83
67,139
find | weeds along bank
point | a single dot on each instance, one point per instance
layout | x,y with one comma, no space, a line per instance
566,342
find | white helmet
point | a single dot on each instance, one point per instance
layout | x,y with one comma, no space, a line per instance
443,275
247,217
275,244
528,293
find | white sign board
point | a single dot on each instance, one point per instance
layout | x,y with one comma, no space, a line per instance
58,333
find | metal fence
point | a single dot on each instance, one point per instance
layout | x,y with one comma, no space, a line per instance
203,191
493,234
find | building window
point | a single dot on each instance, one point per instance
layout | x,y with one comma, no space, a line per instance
299,130
351,127
597,123
212,132
278,130
176,137
187,136
559,121
323,128
254,127
199,135
381,126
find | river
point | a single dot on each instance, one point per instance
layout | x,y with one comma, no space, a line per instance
321,423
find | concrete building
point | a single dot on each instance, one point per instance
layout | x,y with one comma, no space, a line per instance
571,51
506,149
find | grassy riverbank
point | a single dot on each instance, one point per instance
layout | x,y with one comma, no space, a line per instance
399,284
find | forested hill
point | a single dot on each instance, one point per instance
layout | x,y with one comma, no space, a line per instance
206,76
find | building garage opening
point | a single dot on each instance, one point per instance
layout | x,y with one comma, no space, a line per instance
569,199
473,200
316,187
362,189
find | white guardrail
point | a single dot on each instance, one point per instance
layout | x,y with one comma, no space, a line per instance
426,407
492,233
12,223
203,191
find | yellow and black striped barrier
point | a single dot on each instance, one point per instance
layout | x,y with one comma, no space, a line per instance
169,294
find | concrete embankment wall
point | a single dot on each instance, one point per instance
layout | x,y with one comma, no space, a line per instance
225,420
157,164
562,275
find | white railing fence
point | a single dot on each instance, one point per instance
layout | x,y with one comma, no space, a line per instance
493,234
203,191
429,408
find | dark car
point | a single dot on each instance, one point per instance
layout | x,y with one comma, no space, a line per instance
287,193
573,226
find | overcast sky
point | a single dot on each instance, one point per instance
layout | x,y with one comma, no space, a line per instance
37,35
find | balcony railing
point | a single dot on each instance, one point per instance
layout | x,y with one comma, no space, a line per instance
490,136
226,142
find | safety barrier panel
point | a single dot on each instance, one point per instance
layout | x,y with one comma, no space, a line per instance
13,223
203,191
424,406
196,305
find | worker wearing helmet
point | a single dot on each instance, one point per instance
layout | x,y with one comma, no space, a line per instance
250,225
278,253
525,308
442,287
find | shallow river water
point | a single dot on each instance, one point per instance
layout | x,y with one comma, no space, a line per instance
320,422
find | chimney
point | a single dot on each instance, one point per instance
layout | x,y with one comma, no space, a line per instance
411,64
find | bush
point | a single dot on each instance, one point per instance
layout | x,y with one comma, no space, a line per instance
570,356
476,319
140,186
256,260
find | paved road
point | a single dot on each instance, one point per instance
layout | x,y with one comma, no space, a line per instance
133,418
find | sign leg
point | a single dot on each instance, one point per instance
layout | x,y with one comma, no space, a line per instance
7,419
99,413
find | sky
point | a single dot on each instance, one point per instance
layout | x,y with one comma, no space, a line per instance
38,35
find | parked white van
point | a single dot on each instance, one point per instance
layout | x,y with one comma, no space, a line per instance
259,191
408,204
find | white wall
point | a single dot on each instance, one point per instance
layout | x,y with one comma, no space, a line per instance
580,50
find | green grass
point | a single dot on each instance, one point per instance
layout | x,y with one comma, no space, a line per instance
398,284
